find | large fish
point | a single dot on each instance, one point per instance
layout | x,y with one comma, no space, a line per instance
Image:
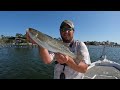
51,44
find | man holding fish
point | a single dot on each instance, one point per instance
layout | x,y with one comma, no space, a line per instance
65,66
71,56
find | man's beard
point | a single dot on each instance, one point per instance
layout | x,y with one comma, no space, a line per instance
66,40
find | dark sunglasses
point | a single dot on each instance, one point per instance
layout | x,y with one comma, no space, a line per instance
66,29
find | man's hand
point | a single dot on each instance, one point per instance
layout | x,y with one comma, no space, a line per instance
61,58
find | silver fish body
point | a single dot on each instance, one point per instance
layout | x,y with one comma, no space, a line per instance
50,43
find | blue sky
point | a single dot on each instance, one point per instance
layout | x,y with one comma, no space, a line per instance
89,25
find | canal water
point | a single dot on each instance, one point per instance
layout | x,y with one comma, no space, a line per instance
25,62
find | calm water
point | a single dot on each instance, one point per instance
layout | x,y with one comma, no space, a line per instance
25,63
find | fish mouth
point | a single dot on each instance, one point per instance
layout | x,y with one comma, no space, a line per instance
32,31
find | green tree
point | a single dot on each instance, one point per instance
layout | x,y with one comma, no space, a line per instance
19,35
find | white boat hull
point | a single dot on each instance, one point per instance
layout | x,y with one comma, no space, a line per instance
103,69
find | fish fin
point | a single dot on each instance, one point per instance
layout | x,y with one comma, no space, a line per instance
78,59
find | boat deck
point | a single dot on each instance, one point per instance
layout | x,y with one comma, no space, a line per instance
102,72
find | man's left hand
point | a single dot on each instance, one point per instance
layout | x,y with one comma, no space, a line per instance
61,58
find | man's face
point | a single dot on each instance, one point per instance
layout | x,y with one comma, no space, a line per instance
67,34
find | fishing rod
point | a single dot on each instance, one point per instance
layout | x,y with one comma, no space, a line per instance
103,53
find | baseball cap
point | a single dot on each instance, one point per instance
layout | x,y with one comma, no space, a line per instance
68,22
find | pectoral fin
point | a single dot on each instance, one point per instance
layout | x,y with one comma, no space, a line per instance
78,59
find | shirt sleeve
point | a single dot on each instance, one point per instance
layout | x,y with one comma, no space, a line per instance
82,49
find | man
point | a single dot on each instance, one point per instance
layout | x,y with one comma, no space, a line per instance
65,66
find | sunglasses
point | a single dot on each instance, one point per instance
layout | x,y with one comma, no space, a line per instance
66,29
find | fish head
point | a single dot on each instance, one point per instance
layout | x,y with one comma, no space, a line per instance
35,34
